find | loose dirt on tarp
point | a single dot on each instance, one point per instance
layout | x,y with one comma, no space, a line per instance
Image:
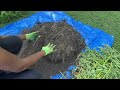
68,41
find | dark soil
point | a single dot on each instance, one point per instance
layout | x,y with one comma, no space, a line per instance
68,41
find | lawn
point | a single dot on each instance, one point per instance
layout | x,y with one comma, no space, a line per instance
109,21
26,14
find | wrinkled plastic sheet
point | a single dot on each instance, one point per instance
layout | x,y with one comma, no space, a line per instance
94,37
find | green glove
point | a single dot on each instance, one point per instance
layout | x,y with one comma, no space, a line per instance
32,36
48,49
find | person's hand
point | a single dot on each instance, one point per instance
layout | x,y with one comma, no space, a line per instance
48,49
32,36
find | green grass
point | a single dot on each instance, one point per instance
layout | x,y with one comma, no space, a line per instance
26,14
109,21
95,65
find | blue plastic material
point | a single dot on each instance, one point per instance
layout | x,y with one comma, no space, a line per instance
94,37
71,68
66,75
58,76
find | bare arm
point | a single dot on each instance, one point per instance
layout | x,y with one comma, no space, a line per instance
23,37
30,36
10,62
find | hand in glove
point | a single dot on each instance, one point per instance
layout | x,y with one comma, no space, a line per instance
32,36
48,49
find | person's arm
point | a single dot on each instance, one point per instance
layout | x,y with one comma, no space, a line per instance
23,37
1,37
10,62
31,36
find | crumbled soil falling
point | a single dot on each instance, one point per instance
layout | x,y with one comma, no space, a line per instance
68,41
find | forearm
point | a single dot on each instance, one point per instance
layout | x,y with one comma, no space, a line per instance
23,37
30,60
10,62
3,37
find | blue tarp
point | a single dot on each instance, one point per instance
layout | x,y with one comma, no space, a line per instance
94,37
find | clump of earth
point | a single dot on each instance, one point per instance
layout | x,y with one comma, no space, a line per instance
69,43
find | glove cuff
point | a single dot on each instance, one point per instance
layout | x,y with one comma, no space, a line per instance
27,36
43,49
